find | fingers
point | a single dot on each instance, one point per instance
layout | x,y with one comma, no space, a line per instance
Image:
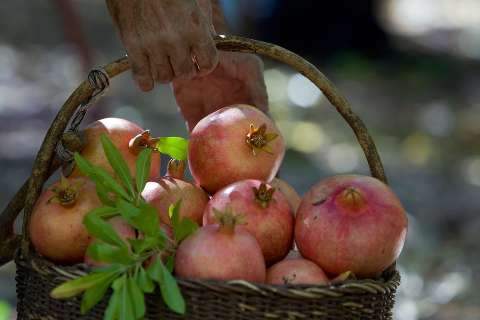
206,55
160,65
140,65
167,40
182,62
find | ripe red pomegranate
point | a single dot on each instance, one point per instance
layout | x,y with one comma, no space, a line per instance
223,252
163,192
351,223
267,215
124,230
296,271
56,226
288,191
122,133
234,143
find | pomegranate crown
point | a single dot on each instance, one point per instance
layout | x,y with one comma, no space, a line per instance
66,192
352,199
141,141
227,219
258,139
263,194
176,168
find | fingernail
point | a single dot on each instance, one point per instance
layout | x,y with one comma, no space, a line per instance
144,84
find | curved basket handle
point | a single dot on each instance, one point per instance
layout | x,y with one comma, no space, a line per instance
84,91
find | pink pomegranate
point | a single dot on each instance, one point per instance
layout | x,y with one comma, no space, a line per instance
351,223
267,215
288,191
223,251
234,143
123,229
56,226
163,192
296,271
121,132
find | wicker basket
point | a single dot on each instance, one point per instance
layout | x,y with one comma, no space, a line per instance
355,299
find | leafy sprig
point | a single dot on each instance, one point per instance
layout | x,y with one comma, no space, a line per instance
134,266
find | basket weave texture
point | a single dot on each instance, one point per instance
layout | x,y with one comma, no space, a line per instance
365,299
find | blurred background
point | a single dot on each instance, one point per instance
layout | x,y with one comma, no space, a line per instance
410,68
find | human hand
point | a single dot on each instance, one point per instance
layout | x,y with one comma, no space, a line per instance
163,37
238,78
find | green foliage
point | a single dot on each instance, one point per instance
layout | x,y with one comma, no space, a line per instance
175,147
125,273
168,286
182,228
143,168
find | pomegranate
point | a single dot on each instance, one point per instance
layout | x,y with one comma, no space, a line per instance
351,223
163,192
223,251
56,226
127,136
267,215
124,230
234,143
296,271
288,191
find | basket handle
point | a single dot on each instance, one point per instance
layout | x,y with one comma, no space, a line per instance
45,157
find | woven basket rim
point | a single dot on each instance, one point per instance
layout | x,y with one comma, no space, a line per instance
382,285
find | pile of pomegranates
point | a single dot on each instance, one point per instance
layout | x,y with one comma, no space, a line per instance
249,219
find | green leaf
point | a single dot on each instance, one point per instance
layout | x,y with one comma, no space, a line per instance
175,147
82,164
185,228
144,281
103,195
94,294
101,177
73,287
111,267
168,286
170,264
127,209
100,229
154,271
182,228
136,297
148,220
5,310
104,252
174,212
144,244
113,307
126,303
105,212
117,162
143,168
145,218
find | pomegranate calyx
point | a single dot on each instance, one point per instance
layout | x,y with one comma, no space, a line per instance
263,194
176,169
66,193
228,220
258,139
351,198
141,141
